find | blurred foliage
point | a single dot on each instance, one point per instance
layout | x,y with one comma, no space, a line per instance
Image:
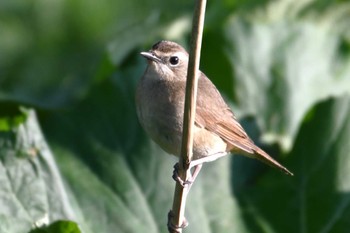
58,227
71,146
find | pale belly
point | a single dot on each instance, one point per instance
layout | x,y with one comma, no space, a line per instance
166,131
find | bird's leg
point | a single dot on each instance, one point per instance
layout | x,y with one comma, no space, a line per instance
195,172
188,182
176,176
206,159
197,166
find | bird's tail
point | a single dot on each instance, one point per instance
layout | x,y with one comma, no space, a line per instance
264,157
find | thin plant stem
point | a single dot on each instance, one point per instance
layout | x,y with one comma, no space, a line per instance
180,194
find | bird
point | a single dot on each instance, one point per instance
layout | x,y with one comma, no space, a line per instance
160,97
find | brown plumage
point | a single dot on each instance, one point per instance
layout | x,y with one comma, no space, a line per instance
160,105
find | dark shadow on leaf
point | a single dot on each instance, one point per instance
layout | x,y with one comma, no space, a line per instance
316,199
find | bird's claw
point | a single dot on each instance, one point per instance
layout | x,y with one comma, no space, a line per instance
177,178
175,228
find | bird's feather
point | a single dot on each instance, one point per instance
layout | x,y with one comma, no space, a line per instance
219,119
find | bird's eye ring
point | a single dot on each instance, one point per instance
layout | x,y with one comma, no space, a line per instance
174,60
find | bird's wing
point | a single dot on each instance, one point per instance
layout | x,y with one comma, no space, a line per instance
218,118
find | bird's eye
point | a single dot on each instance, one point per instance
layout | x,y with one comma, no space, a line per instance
174,60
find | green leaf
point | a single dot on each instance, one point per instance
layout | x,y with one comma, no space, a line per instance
118,178
283,66
10,117
31,189
317,199
58,227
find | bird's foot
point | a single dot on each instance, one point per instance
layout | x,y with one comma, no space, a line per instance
175,228
185,184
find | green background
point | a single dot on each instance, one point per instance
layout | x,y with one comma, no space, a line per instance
73,157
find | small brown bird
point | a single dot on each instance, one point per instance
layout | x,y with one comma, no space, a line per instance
160,98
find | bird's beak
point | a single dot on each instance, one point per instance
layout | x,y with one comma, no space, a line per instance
151,56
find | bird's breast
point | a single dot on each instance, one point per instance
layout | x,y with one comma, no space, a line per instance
160,112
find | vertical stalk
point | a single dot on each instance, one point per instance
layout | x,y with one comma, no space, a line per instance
180,195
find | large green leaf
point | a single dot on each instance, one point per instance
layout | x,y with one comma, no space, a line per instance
284,65
31,189
317,199
118,178
125,189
